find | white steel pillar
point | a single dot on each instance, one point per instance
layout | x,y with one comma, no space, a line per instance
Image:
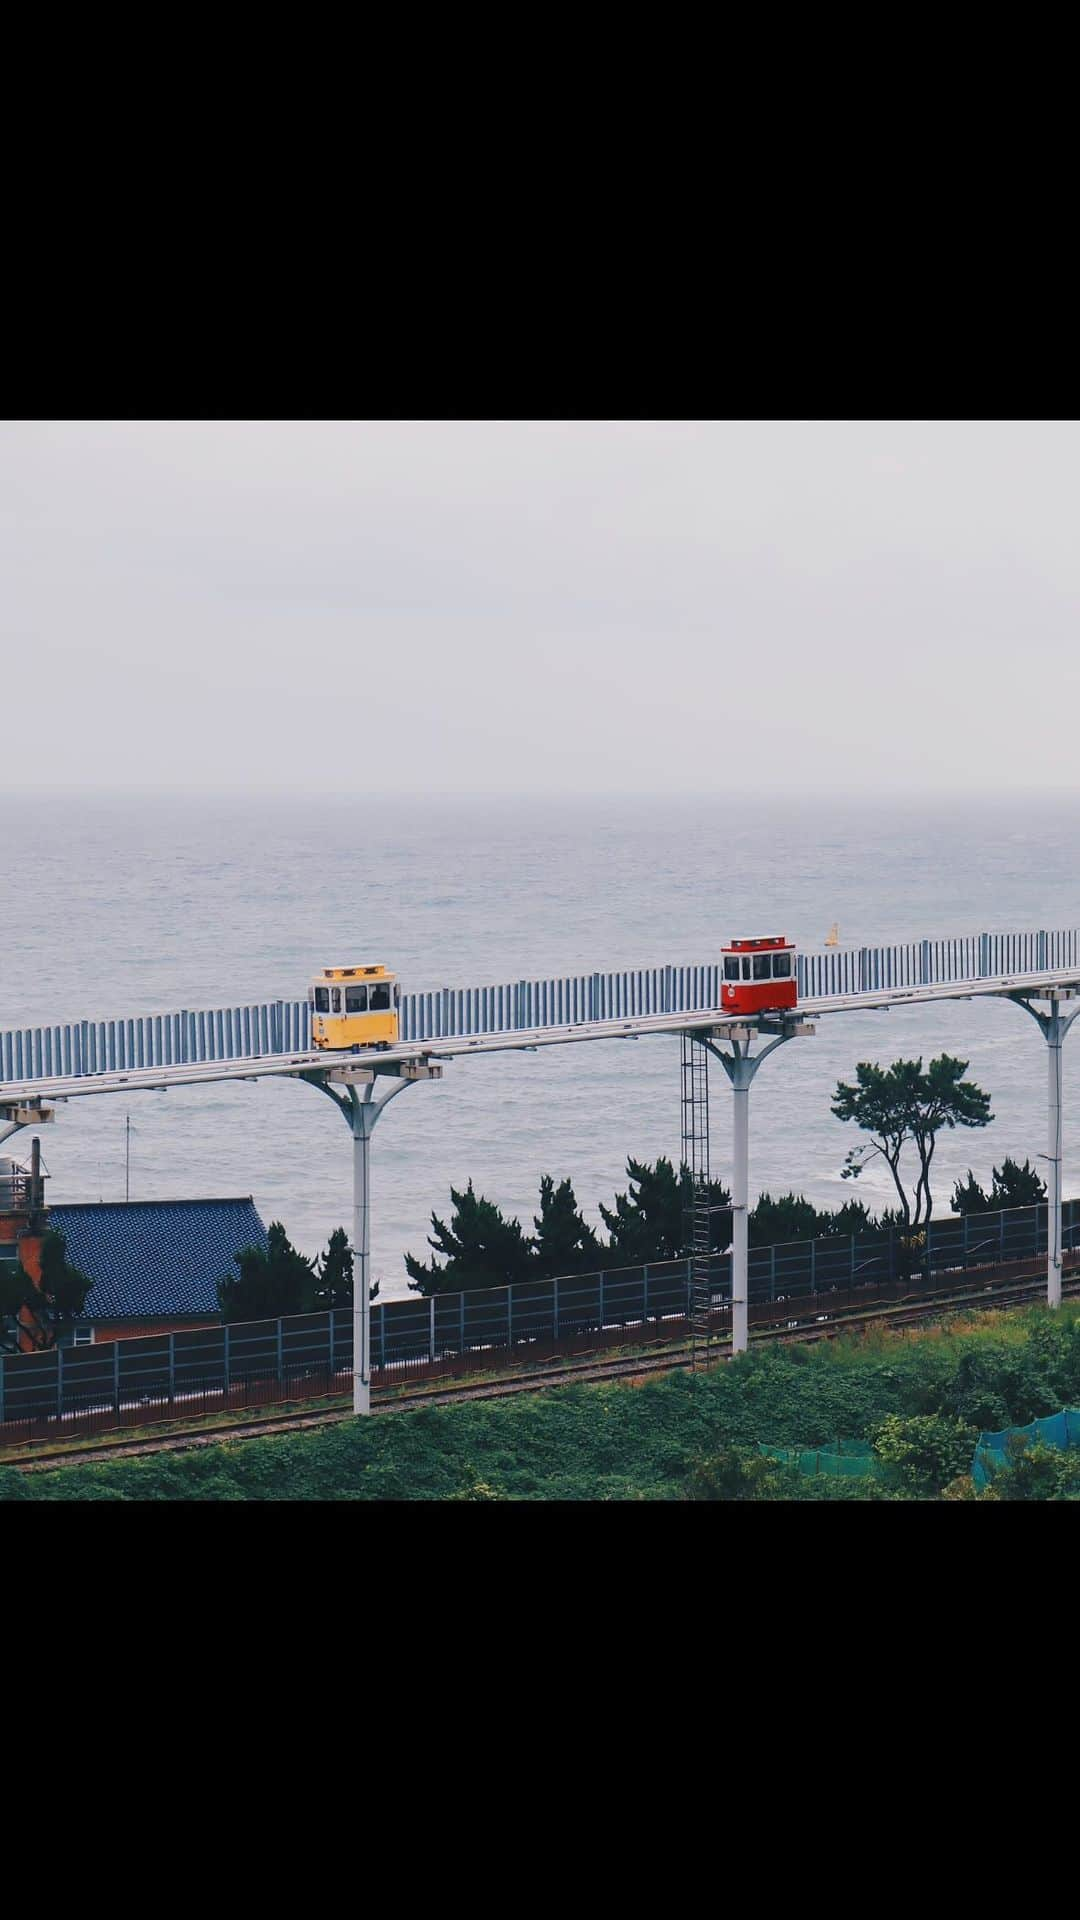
352,1089
740,1066
1054,1037
1053,1025
740,1222
363,1123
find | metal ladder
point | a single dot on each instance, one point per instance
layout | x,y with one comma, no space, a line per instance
696,1221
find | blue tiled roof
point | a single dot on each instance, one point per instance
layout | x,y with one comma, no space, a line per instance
156,1256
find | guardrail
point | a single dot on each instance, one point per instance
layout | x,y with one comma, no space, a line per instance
43,1392
276,1027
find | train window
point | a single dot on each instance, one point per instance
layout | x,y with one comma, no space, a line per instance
322,1000
335,999
763,966
380,999
731,969
356,999
781,966
746,966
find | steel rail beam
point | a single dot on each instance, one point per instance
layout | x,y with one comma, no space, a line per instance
529,1040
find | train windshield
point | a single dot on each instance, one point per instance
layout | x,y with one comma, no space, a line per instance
782,966
322,1000
731,968
379,1000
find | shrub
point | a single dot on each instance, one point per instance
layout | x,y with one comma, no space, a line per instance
737,1473
924,1451
1038,1473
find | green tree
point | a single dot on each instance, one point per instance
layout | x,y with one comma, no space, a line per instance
901,1104
59,1298
1012,1186
851,1221
791,1217
334,1275
969,1197
648,1222
482,1249
564,1242
274,1280
1016,1186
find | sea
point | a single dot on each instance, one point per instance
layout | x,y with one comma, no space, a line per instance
121,904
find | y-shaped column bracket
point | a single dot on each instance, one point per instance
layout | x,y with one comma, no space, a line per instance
1054,1025
16,1114
352,1089
740,1066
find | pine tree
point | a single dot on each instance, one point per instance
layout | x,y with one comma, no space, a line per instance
273,1281
968,1196
902,1105
847,1222
564,1242
335,1275
482,1249
791,1217
1016,1186
649,1222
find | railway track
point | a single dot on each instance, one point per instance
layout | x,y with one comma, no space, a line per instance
591,1370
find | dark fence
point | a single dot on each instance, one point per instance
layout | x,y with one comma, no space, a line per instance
77,1389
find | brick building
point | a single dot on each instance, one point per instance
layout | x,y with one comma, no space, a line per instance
155,1264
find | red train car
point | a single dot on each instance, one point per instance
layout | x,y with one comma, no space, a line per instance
759,975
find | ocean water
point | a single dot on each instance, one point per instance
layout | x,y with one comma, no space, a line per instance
121,905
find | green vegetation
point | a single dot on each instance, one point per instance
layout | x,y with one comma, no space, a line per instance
482,1248
649,1221
277,1280
898,1106
60,1296
1012,1186
917,1399
901,1105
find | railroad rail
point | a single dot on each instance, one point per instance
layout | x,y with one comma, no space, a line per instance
1010,1291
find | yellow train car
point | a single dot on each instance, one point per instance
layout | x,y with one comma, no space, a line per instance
354,1007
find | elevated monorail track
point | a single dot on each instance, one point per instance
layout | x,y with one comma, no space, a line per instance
529,1039
169,1051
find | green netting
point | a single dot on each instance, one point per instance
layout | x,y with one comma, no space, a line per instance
992,1450
843,1457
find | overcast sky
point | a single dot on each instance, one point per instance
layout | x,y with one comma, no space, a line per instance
536,607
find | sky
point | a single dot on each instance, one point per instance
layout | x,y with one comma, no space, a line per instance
540,607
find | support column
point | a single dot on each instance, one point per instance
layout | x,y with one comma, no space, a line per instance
352,1089
1054,1037
740,1224
740,1066
1053,1025
363,1122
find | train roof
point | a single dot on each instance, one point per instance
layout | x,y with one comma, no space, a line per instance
747,946
355,973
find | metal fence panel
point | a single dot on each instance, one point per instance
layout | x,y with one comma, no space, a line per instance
276,1027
